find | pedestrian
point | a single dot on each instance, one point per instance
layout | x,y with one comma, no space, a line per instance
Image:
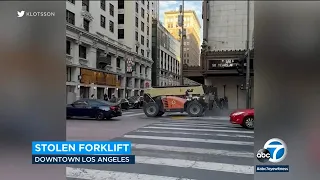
105,97
113,99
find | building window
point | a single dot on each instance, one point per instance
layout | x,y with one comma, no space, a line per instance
68,47
72,1
148,17
137,49
70,17
120,4
148,54
136,36
111,26
120,18
142,26
147,42
118,63
111,10
142,40
147,30
82,52
142,12
103,21
120,33
85,3
142,52
137,7
137,22
103,4
148,5
68,74
86,24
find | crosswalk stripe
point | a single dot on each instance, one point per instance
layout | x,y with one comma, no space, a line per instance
178,125
92,174
199,134
190,129
190,140
211,166
193,150
195,123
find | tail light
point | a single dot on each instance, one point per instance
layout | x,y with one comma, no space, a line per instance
113,108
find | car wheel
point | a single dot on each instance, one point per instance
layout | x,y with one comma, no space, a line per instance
151,109
194,109
248,122
99,116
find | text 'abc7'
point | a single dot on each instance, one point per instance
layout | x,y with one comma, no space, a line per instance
274,151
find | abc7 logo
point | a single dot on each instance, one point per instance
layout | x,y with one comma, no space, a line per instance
263,155
274,150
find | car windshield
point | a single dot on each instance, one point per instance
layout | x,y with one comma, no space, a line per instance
99,102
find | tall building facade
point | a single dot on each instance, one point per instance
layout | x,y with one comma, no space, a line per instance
166,56
225,37
155,8
96,55
136,25
191,51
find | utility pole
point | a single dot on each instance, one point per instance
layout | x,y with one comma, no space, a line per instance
182,40
248,86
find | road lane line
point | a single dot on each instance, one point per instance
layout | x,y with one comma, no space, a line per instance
199,134
190,140
211,166
92,174
190,129
193,150
136,114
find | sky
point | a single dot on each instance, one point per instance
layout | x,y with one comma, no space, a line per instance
188,5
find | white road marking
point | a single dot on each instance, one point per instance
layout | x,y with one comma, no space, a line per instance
211,166
195,123
193,150
127,112
189,133
136,114
92,174
200,126
190,129
190,140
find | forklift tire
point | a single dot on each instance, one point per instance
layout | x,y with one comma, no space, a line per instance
151,109
160,113
195,109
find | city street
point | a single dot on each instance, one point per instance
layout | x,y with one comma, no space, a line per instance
168,148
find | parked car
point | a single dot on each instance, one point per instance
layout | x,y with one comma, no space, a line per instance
245,118
93,108
136,102
124,103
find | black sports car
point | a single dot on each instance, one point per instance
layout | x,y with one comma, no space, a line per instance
93,108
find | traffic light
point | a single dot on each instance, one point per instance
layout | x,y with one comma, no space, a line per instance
241,65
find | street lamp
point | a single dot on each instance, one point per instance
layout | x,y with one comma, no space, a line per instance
248,104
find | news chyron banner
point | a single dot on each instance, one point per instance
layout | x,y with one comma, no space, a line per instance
77,152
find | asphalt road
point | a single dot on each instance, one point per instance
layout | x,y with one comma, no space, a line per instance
169,148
